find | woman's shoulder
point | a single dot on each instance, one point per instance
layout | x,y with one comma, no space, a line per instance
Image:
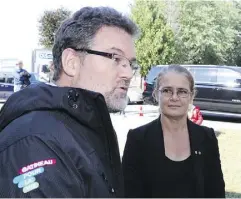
208,132
141,131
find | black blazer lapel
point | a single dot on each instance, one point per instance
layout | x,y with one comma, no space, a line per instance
196,141
157,140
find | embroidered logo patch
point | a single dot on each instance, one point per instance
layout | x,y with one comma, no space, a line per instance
30,187
36,165
27,180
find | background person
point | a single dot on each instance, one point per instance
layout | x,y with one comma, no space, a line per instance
21,77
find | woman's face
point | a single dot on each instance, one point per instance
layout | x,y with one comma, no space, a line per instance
174,95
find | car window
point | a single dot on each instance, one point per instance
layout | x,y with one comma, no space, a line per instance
2,80
227,76
10,80
204,75
153,74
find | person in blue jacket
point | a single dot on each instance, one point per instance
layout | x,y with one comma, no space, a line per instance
22,77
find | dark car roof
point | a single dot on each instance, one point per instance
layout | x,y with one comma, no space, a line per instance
201,65
152,74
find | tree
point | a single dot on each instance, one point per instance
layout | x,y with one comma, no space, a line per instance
49,23
207,31
234,54
156,42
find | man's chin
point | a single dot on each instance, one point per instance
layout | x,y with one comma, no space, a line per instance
114,108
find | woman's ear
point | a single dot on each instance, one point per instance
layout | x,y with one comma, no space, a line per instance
194,93
191,102
190,107
155,95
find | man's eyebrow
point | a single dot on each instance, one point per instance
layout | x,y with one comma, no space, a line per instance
117,49
122,53
133,59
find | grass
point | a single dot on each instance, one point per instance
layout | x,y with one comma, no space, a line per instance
230,152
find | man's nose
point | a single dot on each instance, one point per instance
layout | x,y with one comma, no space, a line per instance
127,72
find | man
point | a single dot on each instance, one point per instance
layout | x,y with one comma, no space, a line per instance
22,77
58,141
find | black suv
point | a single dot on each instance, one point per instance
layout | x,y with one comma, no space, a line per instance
218,88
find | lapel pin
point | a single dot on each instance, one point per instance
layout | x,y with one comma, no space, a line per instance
198,152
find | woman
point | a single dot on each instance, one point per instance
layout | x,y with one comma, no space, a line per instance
172,156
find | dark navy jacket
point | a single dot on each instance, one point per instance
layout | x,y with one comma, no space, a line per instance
58,142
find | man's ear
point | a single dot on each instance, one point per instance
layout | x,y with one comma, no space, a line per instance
69,59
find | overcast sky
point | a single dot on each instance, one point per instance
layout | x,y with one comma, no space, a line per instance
19,23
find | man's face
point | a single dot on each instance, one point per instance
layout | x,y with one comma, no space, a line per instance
20,65
110,77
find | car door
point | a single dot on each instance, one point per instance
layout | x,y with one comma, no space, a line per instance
227,94
205,79
2,88
149,85
6,88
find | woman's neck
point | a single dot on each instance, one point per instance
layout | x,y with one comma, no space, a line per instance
173,126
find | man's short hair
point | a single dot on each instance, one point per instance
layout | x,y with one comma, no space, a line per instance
79,30
19,63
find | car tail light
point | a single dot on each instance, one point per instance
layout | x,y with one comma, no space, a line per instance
145,84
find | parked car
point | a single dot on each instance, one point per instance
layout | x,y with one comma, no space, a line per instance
218,88
7,85
149,84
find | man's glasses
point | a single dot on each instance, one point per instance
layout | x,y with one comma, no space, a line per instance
118,59
168,92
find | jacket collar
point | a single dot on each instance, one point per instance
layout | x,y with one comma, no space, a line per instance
82,105
196,135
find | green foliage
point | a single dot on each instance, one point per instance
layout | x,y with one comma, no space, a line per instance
207,31
234,54
156,42
184,32
49,23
